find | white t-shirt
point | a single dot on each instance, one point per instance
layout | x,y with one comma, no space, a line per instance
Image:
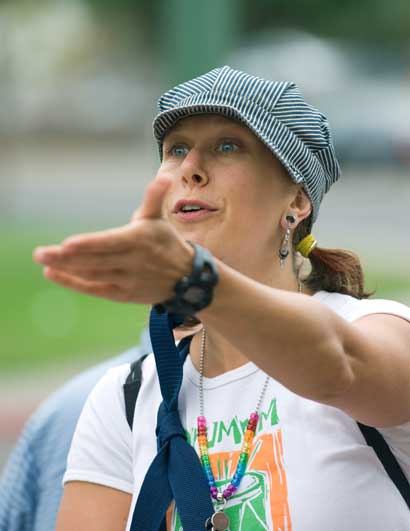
310,468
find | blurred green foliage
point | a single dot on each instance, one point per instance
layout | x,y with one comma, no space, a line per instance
365,21
368,20
377,21
43,323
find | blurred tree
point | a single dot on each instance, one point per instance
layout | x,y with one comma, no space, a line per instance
368,20
371,21
186,37
194,41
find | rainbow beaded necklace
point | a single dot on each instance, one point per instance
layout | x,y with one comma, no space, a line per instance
219,521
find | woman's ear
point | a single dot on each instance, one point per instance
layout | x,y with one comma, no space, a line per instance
300,205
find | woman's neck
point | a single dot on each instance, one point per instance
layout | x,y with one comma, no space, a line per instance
220,356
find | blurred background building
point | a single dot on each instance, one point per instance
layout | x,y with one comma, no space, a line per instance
78,85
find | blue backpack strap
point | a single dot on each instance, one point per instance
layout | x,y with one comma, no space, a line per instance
374,438
131,388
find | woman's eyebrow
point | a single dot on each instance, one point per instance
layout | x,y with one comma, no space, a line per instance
174,136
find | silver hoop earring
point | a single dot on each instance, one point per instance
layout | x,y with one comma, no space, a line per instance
284,248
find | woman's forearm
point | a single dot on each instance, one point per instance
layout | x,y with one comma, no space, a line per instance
292,337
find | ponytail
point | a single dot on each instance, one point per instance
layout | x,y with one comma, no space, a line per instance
333,270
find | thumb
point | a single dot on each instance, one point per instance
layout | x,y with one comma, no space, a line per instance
151,206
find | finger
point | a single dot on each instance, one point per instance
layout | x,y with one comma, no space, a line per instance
97,289
112,276
115,240
78,262
153,199
41,254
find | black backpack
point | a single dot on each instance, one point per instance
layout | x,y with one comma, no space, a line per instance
371,435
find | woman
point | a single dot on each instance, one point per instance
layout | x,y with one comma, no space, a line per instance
309,353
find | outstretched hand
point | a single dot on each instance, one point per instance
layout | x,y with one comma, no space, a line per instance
139,262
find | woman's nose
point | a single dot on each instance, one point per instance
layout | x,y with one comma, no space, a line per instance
197,179
193,171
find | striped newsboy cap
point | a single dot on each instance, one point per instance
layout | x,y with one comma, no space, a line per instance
298,134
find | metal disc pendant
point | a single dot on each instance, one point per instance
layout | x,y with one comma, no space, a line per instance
219,521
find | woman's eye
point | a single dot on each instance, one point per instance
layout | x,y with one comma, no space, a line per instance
228,147
178,150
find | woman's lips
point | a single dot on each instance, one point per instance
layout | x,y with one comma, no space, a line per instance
193,215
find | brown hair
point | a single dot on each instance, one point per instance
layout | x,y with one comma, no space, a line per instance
334,270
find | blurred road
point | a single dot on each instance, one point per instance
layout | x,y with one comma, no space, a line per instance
95,185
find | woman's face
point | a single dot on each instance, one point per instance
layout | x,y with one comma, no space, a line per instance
219,161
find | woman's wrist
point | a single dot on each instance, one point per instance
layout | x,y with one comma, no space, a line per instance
193,291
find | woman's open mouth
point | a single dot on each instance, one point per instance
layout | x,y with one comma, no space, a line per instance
193,215
192,210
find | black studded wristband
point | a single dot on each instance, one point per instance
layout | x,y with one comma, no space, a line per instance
193,292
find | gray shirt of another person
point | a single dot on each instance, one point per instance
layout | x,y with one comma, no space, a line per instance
31,484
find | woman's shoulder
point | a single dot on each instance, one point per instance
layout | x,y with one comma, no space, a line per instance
352,308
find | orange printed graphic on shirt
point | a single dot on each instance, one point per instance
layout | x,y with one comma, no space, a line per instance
261,502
